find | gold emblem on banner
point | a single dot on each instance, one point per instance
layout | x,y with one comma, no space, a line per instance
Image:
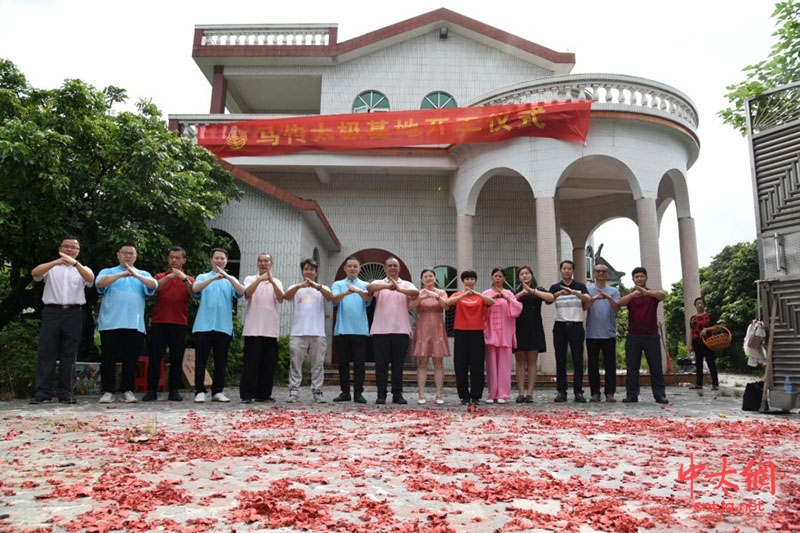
236,139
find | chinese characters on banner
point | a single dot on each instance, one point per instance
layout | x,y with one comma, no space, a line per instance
753,475
567,121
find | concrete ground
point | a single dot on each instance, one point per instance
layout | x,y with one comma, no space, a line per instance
699,463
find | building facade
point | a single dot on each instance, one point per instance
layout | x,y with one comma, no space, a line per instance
525,201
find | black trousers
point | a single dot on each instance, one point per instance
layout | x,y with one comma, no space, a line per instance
119,345
469,356
568,334
702,352
351,348
204,343
608,347
59,340
390,348
651,345
163,336
258,368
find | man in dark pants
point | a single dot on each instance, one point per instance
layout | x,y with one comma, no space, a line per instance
121,321
643,336
601,334
351,299
391,329
572,298
169,325
62,320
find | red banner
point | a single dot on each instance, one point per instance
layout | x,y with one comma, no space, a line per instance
567,121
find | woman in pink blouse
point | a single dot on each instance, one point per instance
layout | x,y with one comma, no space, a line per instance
500,334
430,336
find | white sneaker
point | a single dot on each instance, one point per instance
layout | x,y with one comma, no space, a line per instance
200,397
501,400
490,400
128,397
294,397
219,397
107,397
318,397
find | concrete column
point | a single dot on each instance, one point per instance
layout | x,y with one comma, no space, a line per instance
690,270
579,258
464,243
547,270
647,218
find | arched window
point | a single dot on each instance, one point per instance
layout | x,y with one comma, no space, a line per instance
438,100
370,102
447,280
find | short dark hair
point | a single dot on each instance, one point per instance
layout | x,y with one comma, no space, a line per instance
566,262
310,262
352,258
700,298
215,250
69,238
639,270
468,274
126,243
179,250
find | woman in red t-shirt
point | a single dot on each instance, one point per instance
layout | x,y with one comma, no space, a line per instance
469,348
699,325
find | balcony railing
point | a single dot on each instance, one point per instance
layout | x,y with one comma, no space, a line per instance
268,35
608,92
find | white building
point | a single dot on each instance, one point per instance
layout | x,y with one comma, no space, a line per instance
473,206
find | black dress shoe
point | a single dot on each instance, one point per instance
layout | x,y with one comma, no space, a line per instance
71,401
151,396
662,399
344,397
561,397
38,401
174,396
630,399
610,398
381,400
399,400
580,398
358,399
595,398
475,401
464,401
247,400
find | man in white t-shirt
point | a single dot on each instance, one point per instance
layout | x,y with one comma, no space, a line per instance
308,331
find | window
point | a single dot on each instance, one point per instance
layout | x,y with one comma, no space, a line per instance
447,280
438,100
512,281
370,102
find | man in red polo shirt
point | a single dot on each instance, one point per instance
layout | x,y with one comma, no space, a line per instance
169,325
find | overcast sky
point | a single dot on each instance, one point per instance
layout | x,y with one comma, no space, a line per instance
696,46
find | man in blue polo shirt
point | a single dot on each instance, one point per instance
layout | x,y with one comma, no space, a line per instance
351,298
121,321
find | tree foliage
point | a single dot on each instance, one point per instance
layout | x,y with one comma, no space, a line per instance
780,68
71,165
728,285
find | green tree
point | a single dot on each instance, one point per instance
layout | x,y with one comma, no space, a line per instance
780,68
70,164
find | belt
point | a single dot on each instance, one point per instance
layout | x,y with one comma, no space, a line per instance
59,306
570,323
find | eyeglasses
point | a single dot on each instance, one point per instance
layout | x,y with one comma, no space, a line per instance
601,271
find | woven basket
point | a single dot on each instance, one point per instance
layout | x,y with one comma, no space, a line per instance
719,339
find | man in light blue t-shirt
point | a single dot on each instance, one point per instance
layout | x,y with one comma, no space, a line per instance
601,334
350,335
121,321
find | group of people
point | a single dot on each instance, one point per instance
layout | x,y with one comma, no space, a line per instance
493,329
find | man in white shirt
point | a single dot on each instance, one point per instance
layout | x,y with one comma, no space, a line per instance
308,331
65,279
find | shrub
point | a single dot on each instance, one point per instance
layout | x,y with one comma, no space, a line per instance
18,345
